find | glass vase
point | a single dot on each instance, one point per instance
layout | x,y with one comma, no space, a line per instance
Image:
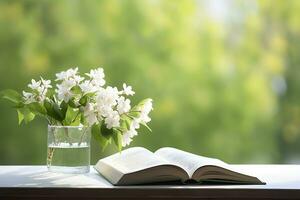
68,149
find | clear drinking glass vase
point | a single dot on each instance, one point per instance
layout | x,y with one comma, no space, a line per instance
68,149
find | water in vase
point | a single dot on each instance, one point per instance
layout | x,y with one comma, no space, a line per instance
68,158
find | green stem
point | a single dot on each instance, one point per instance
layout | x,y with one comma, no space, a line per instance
50,156
81,138
53,130
75,117
67,135
129,116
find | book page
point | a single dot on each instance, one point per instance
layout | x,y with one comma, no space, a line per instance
138,165
188,161
134,159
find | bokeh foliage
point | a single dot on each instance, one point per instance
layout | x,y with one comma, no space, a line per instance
223,74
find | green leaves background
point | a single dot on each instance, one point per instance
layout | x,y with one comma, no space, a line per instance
210,73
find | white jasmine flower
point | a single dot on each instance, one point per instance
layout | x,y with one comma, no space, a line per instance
64,75
107,96
104,110
135,124
90,114
145,118
112,120
35,85
68,79
132,133
69,83
87,87
28,97
128,135
46,83
88,109
145,110
41,97
123,105
78,79
61,76
126,139
71,72
64,93
113,92
91,119
97,77
147,106
98,82
96,73
128,90
41,90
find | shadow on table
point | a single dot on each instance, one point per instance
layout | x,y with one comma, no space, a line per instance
38,176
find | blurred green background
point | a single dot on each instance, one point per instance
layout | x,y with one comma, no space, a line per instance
224,75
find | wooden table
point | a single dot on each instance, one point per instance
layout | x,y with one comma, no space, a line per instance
35,182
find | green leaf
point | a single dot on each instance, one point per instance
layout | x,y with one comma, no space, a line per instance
117,137
144,124
53,110
63,107
83,120
19,105
96,133
37,108
76,121
105,131
28,117
134,114
49,109
140,104
144,101
11,95
128,122
125,123
53,98
58,113
72,103
71,115
20,116
25,114
51,93
76,90
83,100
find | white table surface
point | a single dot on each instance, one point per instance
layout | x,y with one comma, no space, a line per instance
276,177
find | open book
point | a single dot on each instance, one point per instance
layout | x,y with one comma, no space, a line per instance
138,165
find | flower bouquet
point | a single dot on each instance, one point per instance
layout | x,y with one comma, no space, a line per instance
85,103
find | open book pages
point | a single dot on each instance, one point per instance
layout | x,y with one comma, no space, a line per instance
200,168
138,165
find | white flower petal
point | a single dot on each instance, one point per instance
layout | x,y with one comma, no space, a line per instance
127,90
97,77
28,97
126,139
112,120
34,84
123,105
